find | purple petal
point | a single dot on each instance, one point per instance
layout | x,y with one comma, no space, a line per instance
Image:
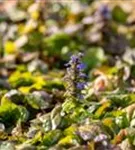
105,12
81,66
80,86
74,58
80,96
83,75
100,137
67,65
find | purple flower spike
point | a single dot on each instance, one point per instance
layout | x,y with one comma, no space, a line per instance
75,78
81,66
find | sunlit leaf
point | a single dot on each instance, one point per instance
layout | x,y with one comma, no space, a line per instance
52,137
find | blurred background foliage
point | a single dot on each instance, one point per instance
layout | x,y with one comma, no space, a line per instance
52,31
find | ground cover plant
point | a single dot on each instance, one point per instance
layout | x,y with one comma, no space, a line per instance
67,75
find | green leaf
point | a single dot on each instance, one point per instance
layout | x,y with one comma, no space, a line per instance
56,42
24,114
102,109
121,100
56,117
18,79
9,113
79,114
36,101
65,122
71,130
94,57
131,135
7,146
70,140
122,121
69,105
52,137
14,96
119,15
